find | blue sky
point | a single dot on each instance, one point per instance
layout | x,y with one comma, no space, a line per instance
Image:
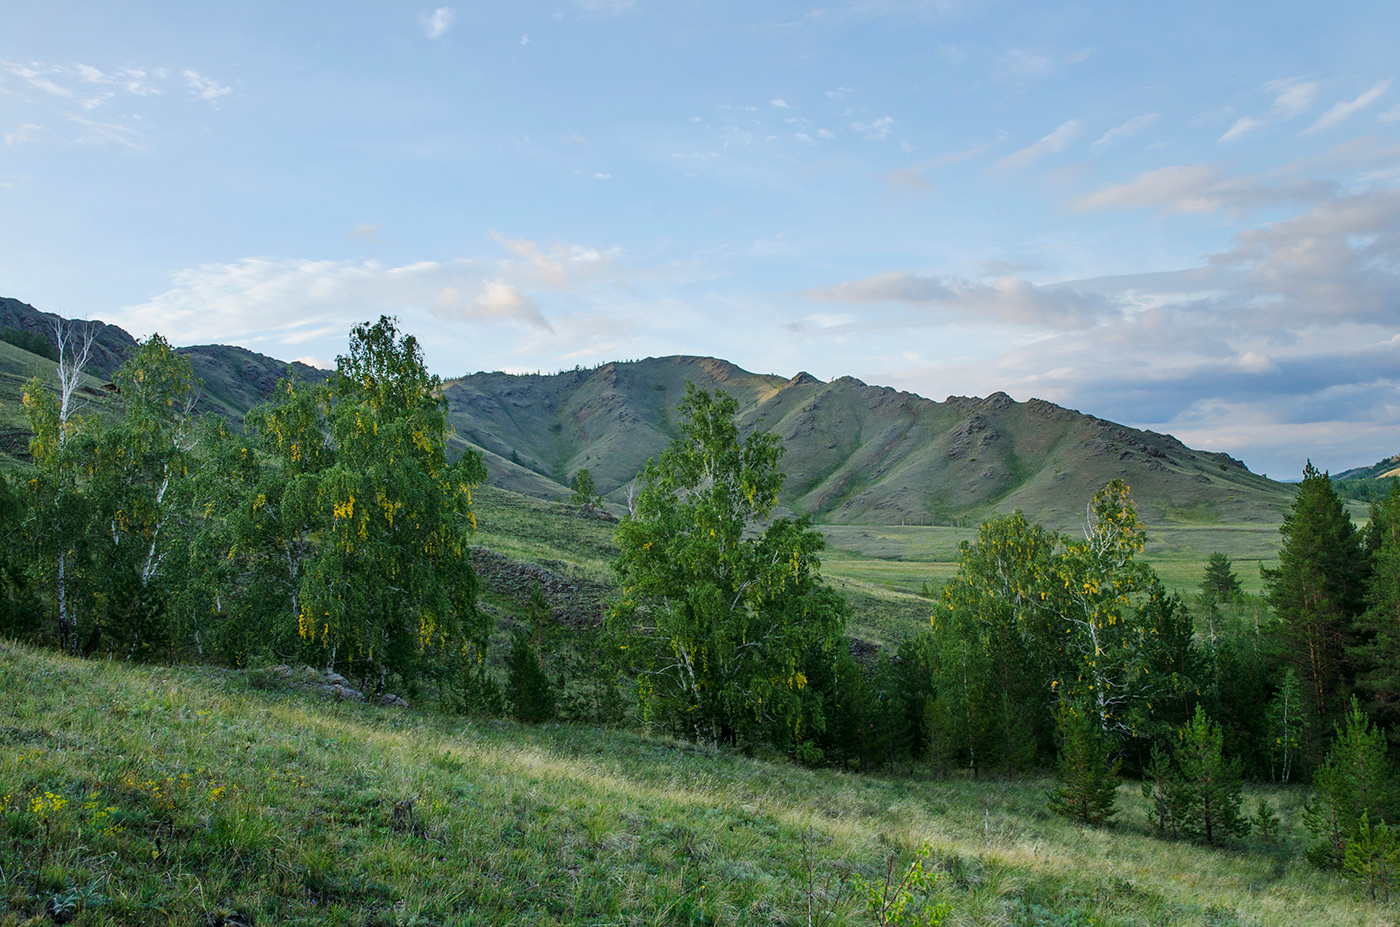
1178,216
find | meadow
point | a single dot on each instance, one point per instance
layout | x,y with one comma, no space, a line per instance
181,795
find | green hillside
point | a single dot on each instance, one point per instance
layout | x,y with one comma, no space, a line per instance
856,454
133,795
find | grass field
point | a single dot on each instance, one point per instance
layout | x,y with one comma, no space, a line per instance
905,558
134,795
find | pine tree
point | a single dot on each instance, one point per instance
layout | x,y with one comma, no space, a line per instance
1167,795
1355,780
1380,676
1087,779
1317,592
527,687
1212,782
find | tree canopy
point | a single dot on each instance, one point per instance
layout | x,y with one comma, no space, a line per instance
721,611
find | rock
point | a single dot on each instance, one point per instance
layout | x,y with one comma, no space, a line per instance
392,701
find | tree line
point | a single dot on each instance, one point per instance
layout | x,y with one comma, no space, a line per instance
334,529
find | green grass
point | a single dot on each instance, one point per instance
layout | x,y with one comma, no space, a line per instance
905,558
541,531
182,796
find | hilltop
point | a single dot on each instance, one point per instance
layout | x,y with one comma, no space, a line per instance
856,453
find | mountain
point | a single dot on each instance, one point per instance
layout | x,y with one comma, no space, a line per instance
855,453
234,379
1384,469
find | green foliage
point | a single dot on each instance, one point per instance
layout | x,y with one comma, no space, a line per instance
109,501
583,491
1286,727
1317,593
1196,792
1212,782
904,898
1265,822
720,616
19,604
369,517
1167,795
1086,778
1220,586
1372,857
1379,677
1355,780
33,342
528,689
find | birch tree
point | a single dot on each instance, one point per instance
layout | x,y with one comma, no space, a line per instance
56,486
719,610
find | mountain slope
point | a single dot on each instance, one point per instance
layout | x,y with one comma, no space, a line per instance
1383,469
855,453
234,379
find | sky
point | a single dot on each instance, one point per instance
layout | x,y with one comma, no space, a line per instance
1182,217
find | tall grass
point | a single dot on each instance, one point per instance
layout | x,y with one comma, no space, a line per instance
181,796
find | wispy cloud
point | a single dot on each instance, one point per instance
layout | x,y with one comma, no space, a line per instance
1009,299
1055,142
436,23
1128,129
205,88
875,129
27,132
1292,97
1201,188
1341,111
1241,127
780,103
97,132
257,297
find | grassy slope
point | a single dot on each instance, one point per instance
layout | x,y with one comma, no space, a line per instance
856,454
181,796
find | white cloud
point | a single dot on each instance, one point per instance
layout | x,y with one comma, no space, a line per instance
1341,111
877,129
1008,299
27,132
524,40
1292,97
1199,188
1055,142
839,93
97,132
257,297
826,134
436,23
780,103
204,88
34,75
1390,115
602,176
1241,127
1128,129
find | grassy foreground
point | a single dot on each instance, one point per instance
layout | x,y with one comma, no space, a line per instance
183,796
